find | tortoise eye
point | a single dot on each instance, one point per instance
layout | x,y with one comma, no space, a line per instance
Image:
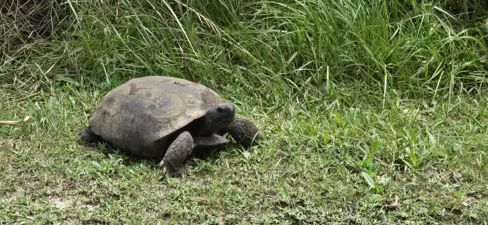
220,110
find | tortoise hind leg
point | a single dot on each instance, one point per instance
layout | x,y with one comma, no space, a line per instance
243,131
176,154
88,138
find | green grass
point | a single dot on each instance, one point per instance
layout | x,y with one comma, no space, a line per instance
371,111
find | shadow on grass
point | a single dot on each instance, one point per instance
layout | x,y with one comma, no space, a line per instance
128,159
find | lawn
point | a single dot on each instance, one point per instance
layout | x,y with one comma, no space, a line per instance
371,112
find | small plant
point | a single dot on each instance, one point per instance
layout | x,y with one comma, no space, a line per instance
370,167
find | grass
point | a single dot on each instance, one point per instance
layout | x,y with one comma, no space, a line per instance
371,111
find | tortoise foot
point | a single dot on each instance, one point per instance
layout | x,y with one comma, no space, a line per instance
243,131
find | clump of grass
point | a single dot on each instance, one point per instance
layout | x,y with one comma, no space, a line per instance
33,41
467,11
407,47
24,22
413,49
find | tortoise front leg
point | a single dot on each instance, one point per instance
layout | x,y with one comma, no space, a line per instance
243,131
176,154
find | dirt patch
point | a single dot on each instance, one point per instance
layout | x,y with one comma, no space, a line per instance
12,196
70,202
63,203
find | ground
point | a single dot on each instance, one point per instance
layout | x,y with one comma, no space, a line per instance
361,123
340,165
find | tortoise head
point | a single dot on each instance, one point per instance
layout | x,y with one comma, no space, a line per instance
216,118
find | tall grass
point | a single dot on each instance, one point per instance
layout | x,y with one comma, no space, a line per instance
273,48
23,22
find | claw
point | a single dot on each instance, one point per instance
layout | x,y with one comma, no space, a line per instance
163,167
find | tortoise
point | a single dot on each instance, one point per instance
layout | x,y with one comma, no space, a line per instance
166,118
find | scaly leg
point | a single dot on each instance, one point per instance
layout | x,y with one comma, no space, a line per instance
243,131
176,154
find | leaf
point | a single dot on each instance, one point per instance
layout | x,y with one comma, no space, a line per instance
339,118
413,158
65,79
246,154
432,138
375,147
369,180
326,139
368,161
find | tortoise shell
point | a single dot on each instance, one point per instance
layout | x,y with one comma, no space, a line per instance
140,115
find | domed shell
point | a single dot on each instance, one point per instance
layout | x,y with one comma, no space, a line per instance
138,115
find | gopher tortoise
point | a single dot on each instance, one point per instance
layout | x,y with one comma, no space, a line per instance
165,118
